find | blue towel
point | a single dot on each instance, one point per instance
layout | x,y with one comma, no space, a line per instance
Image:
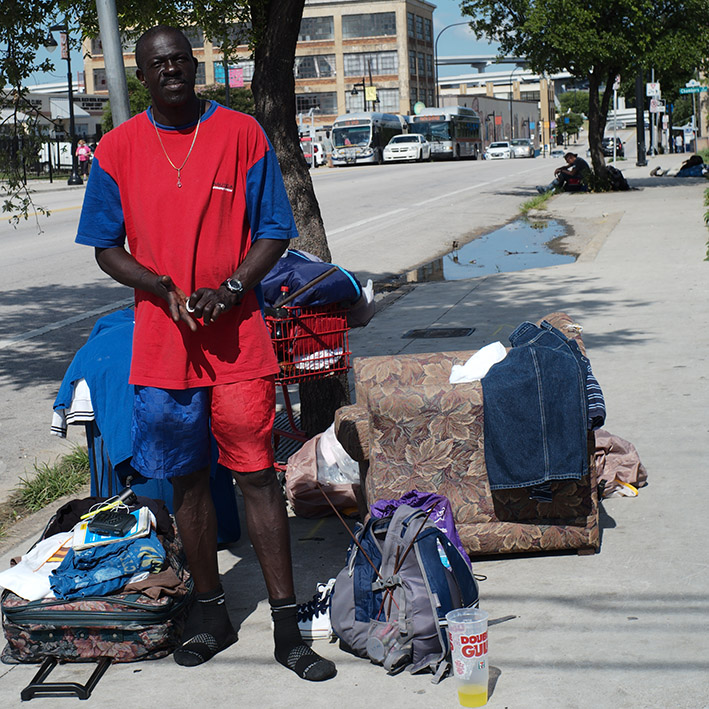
104,361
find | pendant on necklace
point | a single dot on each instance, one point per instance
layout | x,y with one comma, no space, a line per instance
179,181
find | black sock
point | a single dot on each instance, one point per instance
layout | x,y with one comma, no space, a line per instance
208,629
291,651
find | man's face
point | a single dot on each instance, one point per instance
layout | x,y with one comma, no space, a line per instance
168,69
570,159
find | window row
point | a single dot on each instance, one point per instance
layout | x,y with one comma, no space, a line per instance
420,64
326,102
376,24
418,27
426,96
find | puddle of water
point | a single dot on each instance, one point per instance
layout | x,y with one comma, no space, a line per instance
516,246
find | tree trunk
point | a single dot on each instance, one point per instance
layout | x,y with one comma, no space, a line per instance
596,125
276,24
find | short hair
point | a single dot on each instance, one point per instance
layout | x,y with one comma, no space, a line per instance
152,32
571,155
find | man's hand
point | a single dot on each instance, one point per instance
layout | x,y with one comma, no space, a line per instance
209,304
176,300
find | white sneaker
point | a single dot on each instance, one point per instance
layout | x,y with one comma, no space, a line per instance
314,616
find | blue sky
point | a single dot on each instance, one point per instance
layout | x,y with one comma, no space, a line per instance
454,41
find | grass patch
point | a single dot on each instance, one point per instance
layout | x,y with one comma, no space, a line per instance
537,202
49,482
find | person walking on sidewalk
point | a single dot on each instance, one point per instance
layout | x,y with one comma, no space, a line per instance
83,152
196,190
570,177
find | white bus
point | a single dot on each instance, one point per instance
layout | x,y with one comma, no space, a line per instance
362,137
452,131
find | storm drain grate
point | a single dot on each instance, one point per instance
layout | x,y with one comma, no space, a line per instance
436,332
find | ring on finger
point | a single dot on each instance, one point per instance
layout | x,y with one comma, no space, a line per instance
188,308
221,305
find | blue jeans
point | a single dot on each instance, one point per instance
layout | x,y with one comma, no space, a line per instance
535,410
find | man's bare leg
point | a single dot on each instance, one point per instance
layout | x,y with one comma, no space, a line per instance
267,522
208,629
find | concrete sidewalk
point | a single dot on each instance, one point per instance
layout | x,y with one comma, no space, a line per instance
627,627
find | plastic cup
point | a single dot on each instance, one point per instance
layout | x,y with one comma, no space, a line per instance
467,634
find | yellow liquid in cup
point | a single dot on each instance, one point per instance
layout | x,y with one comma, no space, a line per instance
472,695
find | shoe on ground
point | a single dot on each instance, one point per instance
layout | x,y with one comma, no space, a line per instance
541,189
314,616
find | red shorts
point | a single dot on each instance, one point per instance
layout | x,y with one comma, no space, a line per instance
242,423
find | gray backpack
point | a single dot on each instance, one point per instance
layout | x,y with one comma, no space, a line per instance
389,603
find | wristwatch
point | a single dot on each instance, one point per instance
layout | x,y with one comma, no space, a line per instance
235,287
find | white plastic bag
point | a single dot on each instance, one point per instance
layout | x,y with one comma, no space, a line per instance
334,465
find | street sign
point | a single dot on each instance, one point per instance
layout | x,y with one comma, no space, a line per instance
692,82
653,89
616,83
657,106
693,89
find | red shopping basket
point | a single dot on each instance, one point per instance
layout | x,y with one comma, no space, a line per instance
310,342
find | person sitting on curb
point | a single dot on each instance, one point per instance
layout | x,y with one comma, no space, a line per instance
576,168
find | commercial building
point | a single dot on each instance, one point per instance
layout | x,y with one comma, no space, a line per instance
351,55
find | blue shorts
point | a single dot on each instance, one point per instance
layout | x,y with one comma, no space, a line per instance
171,427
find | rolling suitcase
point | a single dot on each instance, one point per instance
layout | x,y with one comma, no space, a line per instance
117,627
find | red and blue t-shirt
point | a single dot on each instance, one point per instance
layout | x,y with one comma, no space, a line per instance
232,194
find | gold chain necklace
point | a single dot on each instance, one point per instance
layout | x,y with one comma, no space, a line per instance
194,138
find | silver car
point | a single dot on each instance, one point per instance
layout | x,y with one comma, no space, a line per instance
522,148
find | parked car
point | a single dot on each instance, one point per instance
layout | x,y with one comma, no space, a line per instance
522,148
607,147
558,153
407,146
308,147
498,150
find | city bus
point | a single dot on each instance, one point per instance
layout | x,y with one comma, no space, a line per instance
361,137
452,131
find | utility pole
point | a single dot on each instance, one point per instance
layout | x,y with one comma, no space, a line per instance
113,60
640,119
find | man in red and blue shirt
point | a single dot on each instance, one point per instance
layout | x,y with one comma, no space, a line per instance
196,191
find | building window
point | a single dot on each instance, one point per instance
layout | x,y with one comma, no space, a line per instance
239,74
421,64
359,64
100,80
316,28
412,62
315,67
96,46
410,24
388,100
377,24
429,65
238,34
326,102
427,30
194,35
200,77
419,28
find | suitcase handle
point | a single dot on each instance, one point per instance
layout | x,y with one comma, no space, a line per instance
39,688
